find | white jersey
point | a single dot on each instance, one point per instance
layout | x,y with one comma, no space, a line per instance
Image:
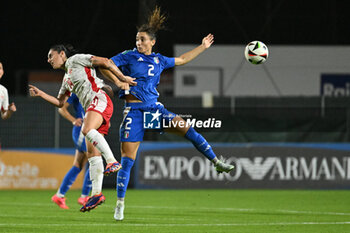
81,79
4,99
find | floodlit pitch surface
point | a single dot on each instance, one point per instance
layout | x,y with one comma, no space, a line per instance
182,211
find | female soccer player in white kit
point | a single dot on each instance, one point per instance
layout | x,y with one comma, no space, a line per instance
6,109
80,78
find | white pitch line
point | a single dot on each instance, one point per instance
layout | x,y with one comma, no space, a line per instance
200,208
171,225
93,217
242,210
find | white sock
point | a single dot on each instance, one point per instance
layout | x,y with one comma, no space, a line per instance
96,174
120,202
58,194
101,144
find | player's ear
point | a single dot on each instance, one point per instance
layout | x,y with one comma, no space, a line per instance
62,53
153,42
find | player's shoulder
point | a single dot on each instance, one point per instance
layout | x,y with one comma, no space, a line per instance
3,88
131,55
129,51
80,56
159,55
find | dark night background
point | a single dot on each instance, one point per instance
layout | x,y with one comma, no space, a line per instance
104,28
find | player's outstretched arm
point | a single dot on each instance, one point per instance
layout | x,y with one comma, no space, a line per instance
190,55
108,74
58,102
108,64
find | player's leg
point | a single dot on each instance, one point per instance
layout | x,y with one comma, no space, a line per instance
67,182
200,144
128,153
86,187
81,145
87,182
131,135
92,121
96,176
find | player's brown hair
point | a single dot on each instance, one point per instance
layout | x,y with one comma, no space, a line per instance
154,24
67,48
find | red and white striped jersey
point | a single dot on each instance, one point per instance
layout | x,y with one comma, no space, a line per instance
80,78
4,98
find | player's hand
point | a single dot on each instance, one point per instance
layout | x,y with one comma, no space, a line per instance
78,122
12,107
130,80
208,40
124,86
34,91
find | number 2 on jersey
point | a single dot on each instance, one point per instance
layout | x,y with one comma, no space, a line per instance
128,122
151,68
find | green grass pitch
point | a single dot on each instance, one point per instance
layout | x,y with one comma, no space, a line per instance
182,211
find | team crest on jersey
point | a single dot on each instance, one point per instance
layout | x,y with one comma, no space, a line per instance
156,60
126,134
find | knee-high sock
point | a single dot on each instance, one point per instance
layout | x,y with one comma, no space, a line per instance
87,183
68,180
124,176
96,174
200,143
101,144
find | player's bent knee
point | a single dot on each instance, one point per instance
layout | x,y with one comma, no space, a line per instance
85,130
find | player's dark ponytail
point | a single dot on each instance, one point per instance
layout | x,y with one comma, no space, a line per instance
68,49
154,24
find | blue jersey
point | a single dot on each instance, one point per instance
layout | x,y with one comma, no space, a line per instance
146,69
74,101
78,137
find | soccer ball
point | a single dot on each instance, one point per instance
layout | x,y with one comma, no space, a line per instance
256,52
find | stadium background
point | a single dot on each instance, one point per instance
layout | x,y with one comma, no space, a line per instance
108,27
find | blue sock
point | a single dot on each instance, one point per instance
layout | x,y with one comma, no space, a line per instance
200,143
87,184
69,179
124,176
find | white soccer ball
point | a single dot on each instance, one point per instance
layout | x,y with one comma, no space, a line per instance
256,52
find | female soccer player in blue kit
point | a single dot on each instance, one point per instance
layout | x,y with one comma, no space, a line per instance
144,65
80,158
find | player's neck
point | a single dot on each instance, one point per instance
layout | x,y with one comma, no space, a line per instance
63,67
148,53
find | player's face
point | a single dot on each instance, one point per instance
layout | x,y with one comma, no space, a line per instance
56,59
144,43
1,70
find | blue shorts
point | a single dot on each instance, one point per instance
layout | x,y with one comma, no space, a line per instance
78,139
137,117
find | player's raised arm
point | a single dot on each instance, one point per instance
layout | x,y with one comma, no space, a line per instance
58,102
190,55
